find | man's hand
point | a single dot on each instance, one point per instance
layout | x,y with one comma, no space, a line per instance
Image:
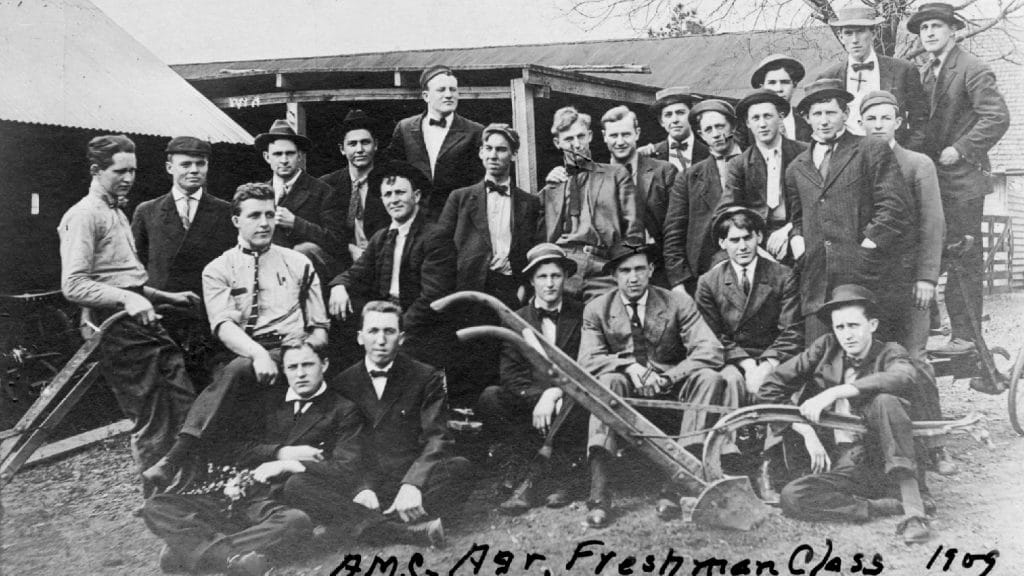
408,504
341,304
868,243
796,244
820,462
269,470
556,176
812,408
302,453
547,406
355,252
140,308
949,156
757,376
733,376
924,293
645,381
264,367
367,499
645,150
183,299
778,242
284,217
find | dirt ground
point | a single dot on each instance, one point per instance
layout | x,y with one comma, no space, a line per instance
75,517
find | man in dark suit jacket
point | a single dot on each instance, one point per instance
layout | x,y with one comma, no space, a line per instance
865,71
439,143
849,207
689,247
781,74
681,148
968,116
408,467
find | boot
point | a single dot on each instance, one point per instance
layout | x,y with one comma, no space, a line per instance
525,495
599,504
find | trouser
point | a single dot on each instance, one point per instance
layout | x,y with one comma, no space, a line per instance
203,535
590,279
962,218
864,470
191,332
508,417
324,263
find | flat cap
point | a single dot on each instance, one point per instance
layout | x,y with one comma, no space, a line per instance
711,105
504,129
429,74
878,97
189,145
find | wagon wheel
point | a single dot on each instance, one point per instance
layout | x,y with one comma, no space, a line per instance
1015,395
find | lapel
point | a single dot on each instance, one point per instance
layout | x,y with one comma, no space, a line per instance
392,389
409,239
846,148
886,73
299,193
172,228
568,321
804,163
711,182
655,320
203,215
734,292
478,212
644,176
943,81
456,135
831,367
759,290
757,166
304,422
417,137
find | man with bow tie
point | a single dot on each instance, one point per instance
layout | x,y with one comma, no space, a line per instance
681,147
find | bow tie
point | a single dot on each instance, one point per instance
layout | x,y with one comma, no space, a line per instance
439,123
549,314
857,67
855,363
684,146
495,187
378,373
725,158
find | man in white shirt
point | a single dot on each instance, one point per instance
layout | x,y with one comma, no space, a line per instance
672,107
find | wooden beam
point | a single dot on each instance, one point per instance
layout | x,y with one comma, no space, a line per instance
353,95
283,82
590,87
78,442
398,79
605,69
524,122
295,114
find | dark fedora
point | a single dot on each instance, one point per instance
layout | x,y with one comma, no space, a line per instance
405,170
730,210
823,89
673,95
431,72
628,247
935,11
761,96
711,105
189,145
281,130
356,119
792,65
548,252
844,295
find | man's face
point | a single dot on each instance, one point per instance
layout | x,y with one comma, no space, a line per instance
881,121
621,137
304,370
284,157
633,275
255,222
780,82
187,171
858,41
497,156
675,119
359,148
575,138
764,122
740,245
853,329
442,94
399,198
936,35
826,119
716,131
117,179
547,281
380,337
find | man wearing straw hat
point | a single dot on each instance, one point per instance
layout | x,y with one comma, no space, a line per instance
672,107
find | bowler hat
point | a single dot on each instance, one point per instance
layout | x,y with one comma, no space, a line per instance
188,145
673,95
281,130
878,97
761,96
792,65
429,74
712,105
856,15
548,252
730,210
505,130
935,11
845,294
629,247
823,89
356,119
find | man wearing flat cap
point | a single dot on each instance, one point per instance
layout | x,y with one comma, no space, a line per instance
672,108
865,71
781,73
439,143
968,117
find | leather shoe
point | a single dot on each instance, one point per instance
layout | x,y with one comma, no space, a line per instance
559,498
667,509
160,474
954,346
985,386
248,564
893,506
597,514
944,463
170,562
915,530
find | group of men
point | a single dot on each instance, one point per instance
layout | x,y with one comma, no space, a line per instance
802,267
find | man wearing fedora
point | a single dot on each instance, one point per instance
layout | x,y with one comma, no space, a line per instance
781,74
439,142
642,340
310,219
865,71
849,208
756,178
689,248
968,116
849,371
672,108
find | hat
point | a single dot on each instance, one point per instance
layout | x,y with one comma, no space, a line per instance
712,105
673,95
847,294
429,74
857,15
934,11
877,97
188,145
823,89
356,119
730,210
629,247
405,170
761,96
548,252
792,65
281,130
504,129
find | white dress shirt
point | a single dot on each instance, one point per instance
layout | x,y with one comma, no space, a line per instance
499,225
282,188
641,309
380,381
789,126
187,204
547,326
433,138
869,80
302,403
396,265
687,154
773,164
747,271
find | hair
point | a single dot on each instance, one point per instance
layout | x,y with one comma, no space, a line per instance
503,130
566,117
250,191
619,113
101,149
344,133
553,260
732,120
384,307
778,66
742,222
300,342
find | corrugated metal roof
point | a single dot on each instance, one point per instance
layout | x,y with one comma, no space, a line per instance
66,63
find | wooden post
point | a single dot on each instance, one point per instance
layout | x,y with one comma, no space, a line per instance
524,123
296,117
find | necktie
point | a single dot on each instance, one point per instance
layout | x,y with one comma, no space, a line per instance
931,76
387,262
857,66
495,187
745,281
300,406
825,159
254,310
355,202
378,373
637,328
549,314
439,123
773,191
186,221
572,203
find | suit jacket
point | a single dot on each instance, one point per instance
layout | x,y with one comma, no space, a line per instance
700,150
406,432
969,114
375,216
763,324
863,197
518,376
747,182
464,220
457,163
654,179
174,257
922,248
803,129
689,247
611,196
319,216
678,339
427,272
902,79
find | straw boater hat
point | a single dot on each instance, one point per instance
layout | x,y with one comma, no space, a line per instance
823,89
673,95
792,65
857,15
935,11
712,105
761,96
281,130
845,294
548,252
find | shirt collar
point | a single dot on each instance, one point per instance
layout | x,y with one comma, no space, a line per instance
244,245
180,194
534,302
739,269
766,152
355,177
98,192
507,182
632,161
642,301
289,183
404,227
834,140
370,366
873,57
292,395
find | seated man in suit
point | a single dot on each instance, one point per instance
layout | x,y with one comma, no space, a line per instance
851,372
681,148
407,471
233,512
176,236
653,179
641,340
781,74
257,295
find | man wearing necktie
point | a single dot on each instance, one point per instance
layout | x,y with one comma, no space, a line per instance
642,340
681,148
850,371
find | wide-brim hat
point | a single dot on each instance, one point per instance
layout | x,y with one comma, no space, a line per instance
730,210
401,169
864,16
625,249
761,96
935,11
823,89
548,252
795,68
710,105
673,95
846,294
281,130
357,119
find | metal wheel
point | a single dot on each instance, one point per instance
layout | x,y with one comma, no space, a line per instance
1015,394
